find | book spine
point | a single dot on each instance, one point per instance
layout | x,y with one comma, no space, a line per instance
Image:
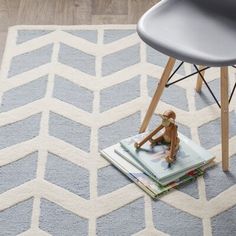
131,177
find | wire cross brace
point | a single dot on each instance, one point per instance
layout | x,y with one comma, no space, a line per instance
203,79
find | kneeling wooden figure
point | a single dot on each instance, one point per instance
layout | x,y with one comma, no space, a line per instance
168,137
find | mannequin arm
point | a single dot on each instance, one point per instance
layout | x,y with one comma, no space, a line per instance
155,131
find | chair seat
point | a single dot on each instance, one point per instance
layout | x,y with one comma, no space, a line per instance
191,32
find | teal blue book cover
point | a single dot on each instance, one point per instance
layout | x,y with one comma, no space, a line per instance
128,157
190,156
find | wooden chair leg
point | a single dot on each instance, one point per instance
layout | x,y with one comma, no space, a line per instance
224,118
158,93
199,80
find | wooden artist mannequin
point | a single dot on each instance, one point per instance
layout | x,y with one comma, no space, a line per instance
169,136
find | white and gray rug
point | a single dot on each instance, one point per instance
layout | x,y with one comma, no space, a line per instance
67,92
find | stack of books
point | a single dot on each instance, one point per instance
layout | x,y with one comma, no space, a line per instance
148,168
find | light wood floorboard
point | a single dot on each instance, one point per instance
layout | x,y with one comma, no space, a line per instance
69,12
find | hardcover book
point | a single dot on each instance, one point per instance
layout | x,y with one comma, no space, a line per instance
190,156
125,154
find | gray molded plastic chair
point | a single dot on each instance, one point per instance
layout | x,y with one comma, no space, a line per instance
201,32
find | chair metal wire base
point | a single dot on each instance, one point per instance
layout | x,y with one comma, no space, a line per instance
203,79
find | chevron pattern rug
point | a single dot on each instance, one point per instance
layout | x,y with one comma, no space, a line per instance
67,92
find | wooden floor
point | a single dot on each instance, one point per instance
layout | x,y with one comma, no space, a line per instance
69,12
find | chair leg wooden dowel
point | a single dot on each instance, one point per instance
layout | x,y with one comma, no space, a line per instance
199,80
158,93
224,118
